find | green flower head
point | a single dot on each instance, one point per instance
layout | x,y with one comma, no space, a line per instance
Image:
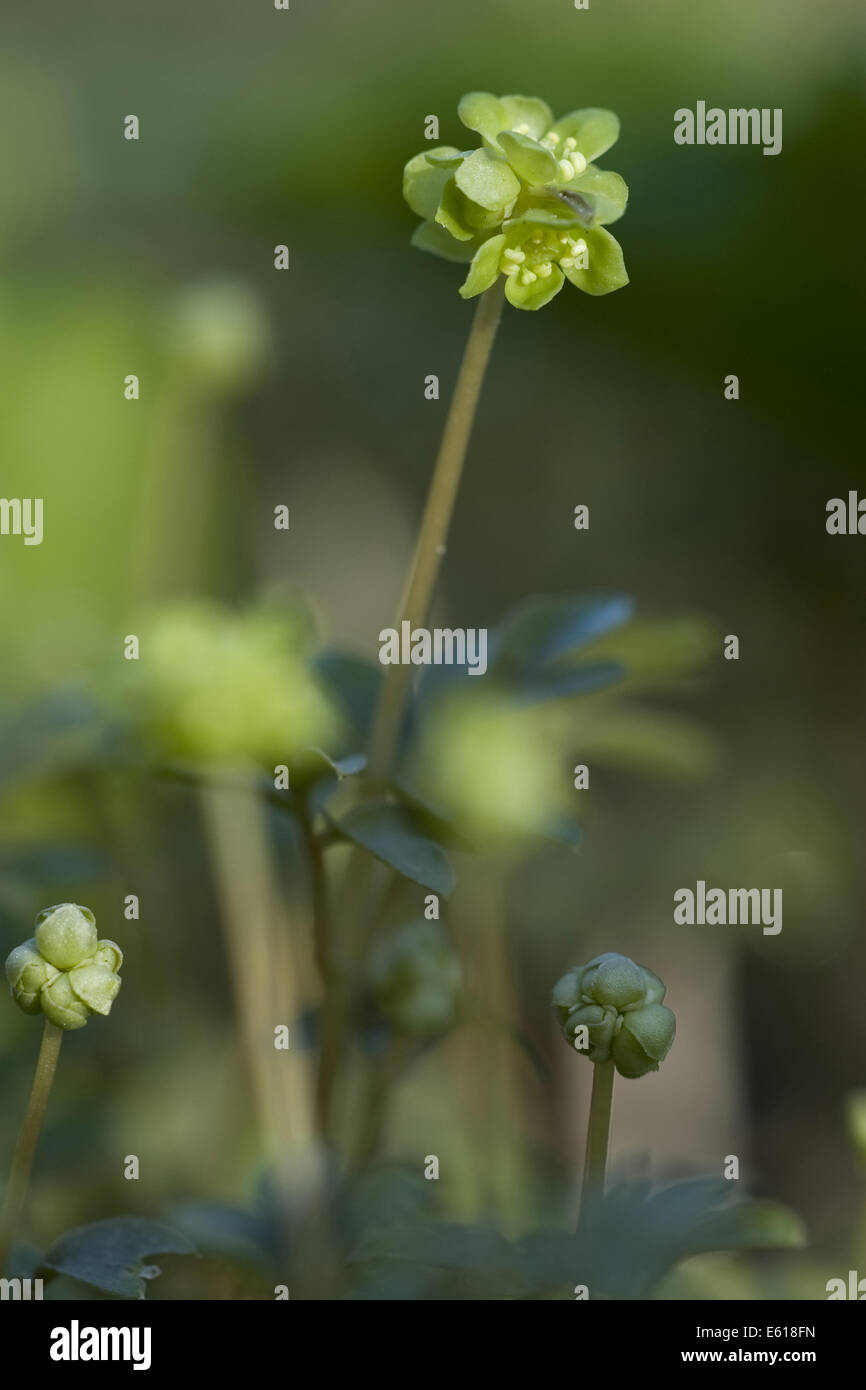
65,971
618,1006
415,979
530,204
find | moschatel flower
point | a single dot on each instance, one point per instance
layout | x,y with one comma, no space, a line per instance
530,204
64,971
620,1006
415,978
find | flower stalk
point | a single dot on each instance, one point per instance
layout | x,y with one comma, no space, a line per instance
597,1135
28,1138
436,522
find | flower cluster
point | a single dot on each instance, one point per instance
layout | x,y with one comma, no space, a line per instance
64,971
415,979
530,204
619,1004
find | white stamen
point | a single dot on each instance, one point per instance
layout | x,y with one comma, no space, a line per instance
528,277
566,168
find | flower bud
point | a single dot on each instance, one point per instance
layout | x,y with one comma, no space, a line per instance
415,978
66,934
620,1005
27,973
64,971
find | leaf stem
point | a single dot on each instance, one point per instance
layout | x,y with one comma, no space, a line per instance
430,546
597,1135
332,975
28,1138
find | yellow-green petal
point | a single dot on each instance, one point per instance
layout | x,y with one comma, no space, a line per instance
488,180
606,269
593,128
605,191
482,112
61,1006
96,986
484,269
423,185
536,294
528,111
531,161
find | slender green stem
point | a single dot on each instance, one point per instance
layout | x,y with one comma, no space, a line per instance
330,970
432,537
597,1135
28,1137
414,607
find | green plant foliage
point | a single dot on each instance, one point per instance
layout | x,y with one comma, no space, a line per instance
110,1254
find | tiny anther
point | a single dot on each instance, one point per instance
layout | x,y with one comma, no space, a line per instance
566,168
528,277
512,255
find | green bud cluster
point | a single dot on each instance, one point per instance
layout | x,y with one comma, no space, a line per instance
415,979
529,205
65,971
620,1005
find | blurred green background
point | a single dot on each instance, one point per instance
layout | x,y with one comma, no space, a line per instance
258,128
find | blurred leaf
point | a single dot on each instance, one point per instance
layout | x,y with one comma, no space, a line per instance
64,729
658,653
544,629
391,834
476,1263
312,765
109,1254
634,1236
218,1228
646,741
553,684
354,684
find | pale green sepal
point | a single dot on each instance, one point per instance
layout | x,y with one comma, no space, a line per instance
483,112
451,213
484,268
429,236
66,935
61,1006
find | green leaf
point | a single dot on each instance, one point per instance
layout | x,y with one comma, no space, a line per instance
312,764
538,687
606,270
536,295
484,269
429,236
354,684
532,162
423,185
544,629
605,191
482,112
528,111
391,834
109,1254
634,1236
594,129
488,180
451,213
